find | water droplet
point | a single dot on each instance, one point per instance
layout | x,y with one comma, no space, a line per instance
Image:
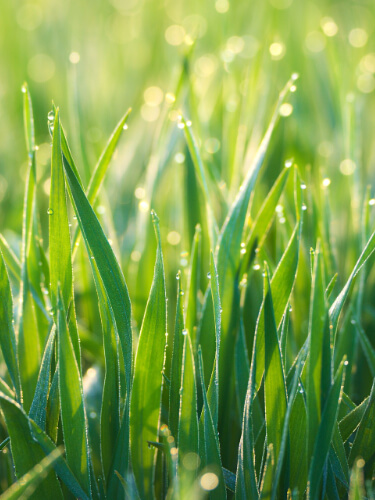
304,207
178,276
125,127
256,267
243,245
188,123
23,89
282,220
92,257
92,414
303,186
50,211
243,251
326,182
209,276
288,163
295,76
51,116
184,331
371,202
182,293
346,362
181,125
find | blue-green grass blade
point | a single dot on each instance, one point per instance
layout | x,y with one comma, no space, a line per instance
274,380
25,451
38,410
318,318
7,335
176,363
73,416
260,226
110,272
11,260
282,283
28,483
147,384
325,434
61,273
364,442
211,441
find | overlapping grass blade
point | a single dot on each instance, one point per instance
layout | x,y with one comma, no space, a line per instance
27,484
192,304
147,384
38,410
352,420
176,363
7,334
61,273
25,451
73,415
11,259
325,434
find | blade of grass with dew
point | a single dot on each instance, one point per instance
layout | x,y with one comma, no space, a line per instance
191,304
211,441
11,259
241,366
298,442
25,451
73,416
38,410
27,484
188,435
110,272
325,434
336,308
61,467
147,383
246,481
260,226
176,363
351,421
101,168
318,319
61,273
53,407
364,442
268,473
7,335
282,283
275,396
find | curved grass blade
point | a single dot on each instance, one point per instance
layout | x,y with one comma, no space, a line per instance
352,420
211,441
176,364
73,416
364,443
61,273
325,434
368,350
25,451
7,334
38,410
53,407
192,304
267,480
147,384
274,380
27,484
11,259
110,272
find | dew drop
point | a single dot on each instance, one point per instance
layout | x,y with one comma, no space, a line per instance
125,127
295,76
304,207
209,276
184,331
23,89
243,251
51,116
50,211
346,362
288,163
303,186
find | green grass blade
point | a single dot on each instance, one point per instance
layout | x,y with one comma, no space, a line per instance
108,267
61,273
317,326
211,441
38,410
147,384
241,366
274,380
368,350
188,436
25,451
192,304
263,220
61,467
11,259
73,416
364,442
268,474
325,434
176,364
27,484
53,407
352,420
282,283
7,334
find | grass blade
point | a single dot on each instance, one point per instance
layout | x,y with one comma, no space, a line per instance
147,384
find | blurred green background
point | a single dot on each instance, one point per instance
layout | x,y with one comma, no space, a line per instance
222,65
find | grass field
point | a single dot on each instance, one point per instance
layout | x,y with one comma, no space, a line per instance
186,249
